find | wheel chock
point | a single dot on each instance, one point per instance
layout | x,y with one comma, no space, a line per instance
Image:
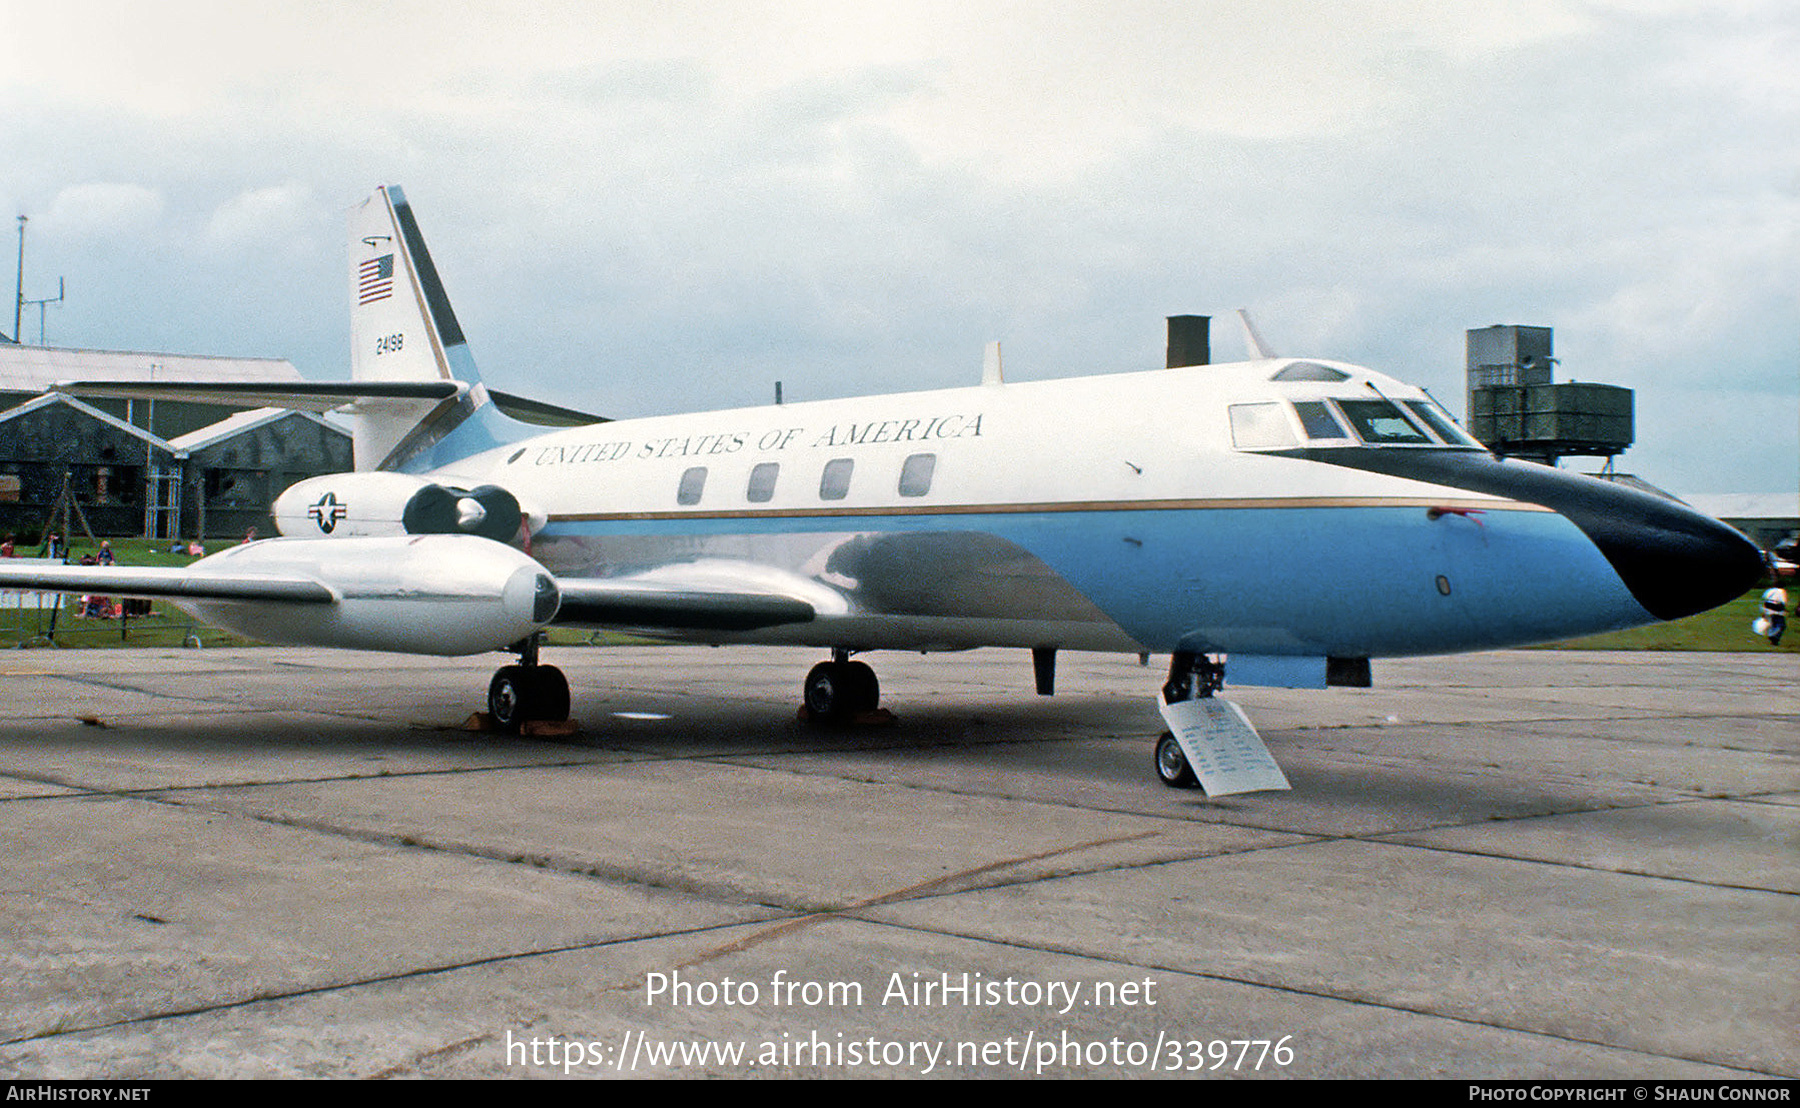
544,728
877,717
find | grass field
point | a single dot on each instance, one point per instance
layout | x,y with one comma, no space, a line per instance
166,626
1723,629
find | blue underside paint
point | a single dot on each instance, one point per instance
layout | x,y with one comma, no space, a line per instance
482,429
1350,581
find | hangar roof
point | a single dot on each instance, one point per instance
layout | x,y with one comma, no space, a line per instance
1739,505
238,424
35,368
183,445
87,410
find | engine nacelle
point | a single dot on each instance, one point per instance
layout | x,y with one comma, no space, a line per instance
375,504
419,594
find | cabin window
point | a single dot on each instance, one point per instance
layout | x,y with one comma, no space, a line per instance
1378,421
834,483
915,474
1318,422
693,483
762,482
1261,426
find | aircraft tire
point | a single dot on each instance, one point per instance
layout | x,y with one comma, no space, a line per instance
550,693
836,692
1172,765
865,687
509,697
827,694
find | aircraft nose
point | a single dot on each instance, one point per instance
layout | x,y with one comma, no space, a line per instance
1676,561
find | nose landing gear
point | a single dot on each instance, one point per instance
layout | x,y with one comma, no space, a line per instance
1172,767
1191,677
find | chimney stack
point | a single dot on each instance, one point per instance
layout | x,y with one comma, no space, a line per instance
1189,343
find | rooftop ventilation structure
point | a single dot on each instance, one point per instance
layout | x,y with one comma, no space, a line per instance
1517,410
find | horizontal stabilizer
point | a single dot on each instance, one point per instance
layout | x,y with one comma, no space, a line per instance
174,583
322,396
631,604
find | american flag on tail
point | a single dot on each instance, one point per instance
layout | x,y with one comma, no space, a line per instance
375,279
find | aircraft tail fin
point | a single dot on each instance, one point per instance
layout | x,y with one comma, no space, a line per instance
403,330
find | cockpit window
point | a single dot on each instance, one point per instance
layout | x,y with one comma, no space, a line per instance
1439,420
1378,421
1335,422
1318,422
1261,427
1310,371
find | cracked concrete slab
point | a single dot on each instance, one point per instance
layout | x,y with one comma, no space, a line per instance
269,862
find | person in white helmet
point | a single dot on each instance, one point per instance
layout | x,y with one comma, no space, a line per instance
1773,621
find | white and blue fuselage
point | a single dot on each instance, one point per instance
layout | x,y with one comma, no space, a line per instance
1244,508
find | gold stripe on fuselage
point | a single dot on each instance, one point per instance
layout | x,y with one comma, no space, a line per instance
1244,503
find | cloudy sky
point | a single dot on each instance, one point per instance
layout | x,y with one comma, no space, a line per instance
643,208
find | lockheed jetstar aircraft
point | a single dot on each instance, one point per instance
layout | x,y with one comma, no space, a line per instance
1174,511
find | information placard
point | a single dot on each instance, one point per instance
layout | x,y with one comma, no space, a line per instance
1226,753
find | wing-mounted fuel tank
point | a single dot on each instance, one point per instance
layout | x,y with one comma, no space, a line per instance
419,594
377,504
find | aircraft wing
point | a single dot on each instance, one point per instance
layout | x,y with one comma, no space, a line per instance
176,583
601,603
635,604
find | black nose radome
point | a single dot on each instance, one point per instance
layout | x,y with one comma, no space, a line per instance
1676,561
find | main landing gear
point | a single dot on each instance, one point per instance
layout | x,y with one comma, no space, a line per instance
528,691
1191,677
839,690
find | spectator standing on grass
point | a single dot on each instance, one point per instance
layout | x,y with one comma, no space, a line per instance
1773,621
